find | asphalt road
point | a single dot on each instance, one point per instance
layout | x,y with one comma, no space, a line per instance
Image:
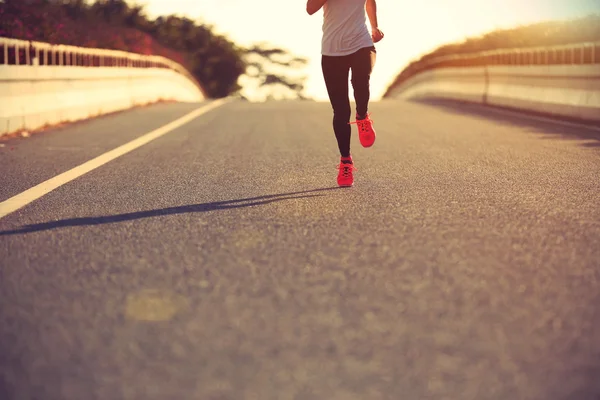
220,261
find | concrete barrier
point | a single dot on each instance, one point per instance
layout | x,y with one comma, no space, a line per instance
563,90
33,96
468,84
569,88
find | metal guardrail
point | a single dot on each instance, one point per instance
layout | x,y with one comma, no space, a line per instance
580,53
587,53
26,52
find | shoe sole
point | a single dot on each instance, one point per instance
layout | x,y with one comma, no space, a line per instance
367,145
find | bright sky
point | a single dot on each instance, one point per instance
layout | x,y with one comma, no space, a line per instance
411,28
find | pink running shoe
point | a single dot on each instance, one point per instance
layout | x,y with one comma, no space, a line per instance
345,177
366,133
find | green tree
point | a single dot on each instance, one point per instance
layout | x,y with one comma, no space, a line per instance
214,60
272,67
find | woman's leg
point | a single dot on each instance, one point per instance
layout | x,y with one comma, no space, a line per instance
362,63
335,72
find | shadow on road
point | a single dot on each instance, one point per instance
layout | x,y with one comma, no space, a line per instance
500,116
193,208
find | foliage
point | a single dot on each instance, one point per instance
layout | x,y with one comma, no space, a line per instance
264,61
215,61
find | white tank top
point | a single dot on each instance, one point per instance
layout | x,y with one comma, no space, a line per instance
344,27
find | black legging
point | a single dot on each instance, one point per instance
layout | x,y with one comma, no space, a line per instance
335,72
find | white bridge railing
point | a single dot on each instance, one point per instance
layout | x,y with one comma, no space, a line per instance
44,84
586,53
25,52
558,80
575,54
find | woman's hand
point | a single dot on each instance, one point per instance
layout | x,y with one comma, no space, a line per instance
377,35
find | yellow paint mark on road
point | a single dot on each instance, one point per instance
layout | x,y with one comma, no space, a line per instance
153,305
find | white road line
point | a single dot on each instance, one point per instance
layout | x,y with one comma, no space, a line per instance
34,193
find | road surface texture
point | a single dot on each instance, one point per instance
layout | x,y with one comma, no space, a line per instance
221,262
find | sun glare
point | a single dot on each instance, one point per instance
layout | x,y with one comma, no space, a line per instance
411,29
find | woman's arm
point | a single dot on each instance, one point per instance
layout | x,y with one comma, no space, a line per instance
372,13
376,33
312,6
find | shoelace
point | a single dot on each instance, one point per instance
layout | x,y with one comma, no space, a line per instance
346,169
362,123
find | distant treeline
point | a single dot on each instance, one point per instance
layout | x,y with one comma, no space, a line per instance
586,29
215,61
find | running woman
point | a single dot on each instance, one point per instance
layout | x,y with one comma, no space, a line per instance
347,45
